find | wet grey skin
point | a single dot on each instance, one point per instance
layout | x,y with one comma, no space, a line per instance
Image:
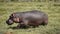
29,18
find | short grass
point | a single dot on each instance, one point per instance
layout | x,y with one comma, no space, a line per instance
53,12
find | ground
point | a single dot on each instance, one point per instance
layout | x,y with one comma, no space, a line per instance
49,8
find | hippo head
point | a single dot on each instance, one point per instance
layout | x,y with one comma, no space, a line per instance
9,22
13,18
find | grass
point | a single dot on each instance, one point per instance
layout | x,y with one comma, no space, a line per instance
53,12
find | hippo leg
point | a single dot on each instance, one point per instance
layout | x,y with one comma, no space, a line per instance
18,26
24,24
45,22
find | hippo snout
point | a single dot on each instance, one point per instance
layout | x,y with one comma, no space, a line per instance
9,22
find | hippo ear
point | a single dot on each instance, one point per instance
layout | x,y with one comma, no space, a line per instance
13,14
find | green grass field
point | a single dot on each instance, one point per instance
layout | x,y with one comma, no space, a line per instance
53,12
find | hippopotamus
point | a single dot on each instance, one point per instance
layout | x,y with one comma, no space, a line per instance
28,18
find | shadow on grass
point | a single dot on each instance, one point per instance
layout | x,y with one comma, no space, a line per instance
18,28
15,27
